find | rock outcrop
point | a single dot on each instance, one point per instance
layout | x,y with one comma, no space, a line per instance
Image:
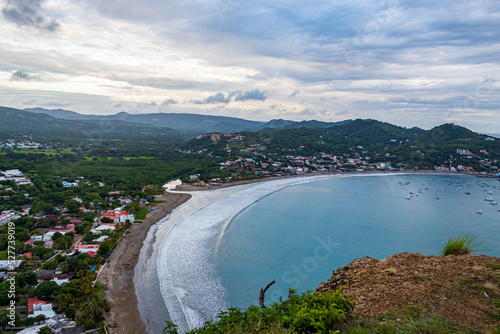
463,289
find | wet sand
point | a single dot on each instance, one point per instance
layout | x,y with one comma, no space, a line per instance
118,274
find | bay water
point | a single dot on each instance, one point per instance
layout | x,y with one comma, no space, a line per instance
297,231
300,234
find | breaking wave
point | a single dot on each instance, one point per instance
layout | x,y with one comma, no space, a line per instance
188,278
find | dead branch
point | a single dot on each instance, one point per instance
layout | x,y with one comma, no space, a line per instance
263,293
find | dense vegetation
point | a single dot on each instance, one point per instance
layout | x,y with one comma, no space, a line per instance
306,313
128,157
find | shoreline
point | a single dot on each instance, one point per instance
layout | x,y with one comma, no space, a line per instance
118,274
185,265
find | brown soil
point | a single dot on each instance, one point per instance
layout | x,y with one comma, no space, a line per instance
463,289
118,274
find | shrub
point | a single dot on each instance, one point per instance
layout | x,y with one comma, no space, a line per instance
460,245
306,313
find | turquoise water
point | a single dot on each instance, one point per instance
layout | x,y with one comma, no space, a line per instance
299,235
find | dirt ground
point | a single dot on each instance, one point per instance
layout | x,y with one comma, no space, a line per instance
463,289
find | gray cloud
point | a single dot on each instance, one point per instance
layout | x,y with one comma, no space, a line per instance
254,94
23,76
214,99
295,93
29,13
169,102
313,112
220,98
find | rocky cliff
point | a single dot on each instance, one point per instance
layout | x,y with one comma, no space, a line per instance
462,289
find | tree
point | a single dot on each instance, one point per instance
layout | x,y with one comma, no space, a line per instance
47,289
73,206
45,330
56,236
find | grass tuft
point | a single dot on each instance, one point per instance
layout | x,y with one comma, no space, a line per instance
461,245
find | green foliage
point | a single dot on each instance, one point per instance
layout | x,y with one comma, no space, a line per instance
414,320
44,330
47,289
141,213
460,245
306,313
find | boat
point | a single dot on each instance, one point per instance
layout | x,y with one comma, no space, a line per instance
467,192
490,192
409,196
436,197
493,203
489,199
479,212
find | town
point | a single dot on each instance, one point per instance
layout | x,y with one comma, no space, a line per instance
60,251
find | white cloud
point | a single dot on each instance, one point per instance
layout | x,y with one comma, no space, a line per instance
409,63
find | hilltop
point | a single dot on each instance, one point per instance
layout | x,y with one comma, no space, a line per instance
464,290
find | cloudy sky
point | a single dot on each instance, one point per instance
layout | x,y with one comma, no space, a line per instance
411,63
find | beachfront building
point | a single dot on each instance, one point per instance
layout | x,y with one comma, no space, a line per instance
101,228
117,216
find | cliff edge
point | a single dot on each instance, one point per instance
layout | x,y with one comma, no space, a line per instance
463,289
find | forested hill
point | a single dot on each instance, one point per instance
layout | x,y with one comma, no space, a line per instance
366,140
15,122
193,124
360,135
449,142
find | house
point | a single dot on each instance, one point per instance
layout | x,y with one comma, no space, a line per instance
28,255
58,324
99,229
90,249
10,265
101,239
12,173
117,216
69,184
48,236
34,301
125,201
7,216
41,308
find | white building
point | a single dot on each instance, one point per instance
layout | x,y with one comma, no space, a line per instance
7,216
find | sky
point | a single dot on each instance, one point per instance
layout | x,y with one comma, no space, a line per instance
410,63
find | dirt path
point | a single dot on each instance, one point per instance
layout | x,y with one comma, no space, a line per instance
118,274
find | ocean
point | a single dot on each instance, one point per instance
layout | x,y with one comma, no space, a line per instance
297,231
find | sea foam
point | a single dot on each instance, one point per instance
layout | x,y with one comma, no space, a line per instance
188,278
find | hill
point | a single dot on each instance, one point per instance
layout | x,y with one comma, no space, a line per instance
360,135
187,123
457,291
15,122
443,144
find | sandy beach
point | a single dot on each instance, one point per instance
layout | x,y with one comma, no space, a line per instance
118,274
184,265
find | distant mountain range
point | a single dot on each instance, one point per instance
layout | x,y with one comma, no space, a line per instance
186,123
358,137
21,122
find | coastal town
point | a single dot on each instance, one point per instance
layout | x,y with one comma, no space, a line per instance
246,159
55,255
65,229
